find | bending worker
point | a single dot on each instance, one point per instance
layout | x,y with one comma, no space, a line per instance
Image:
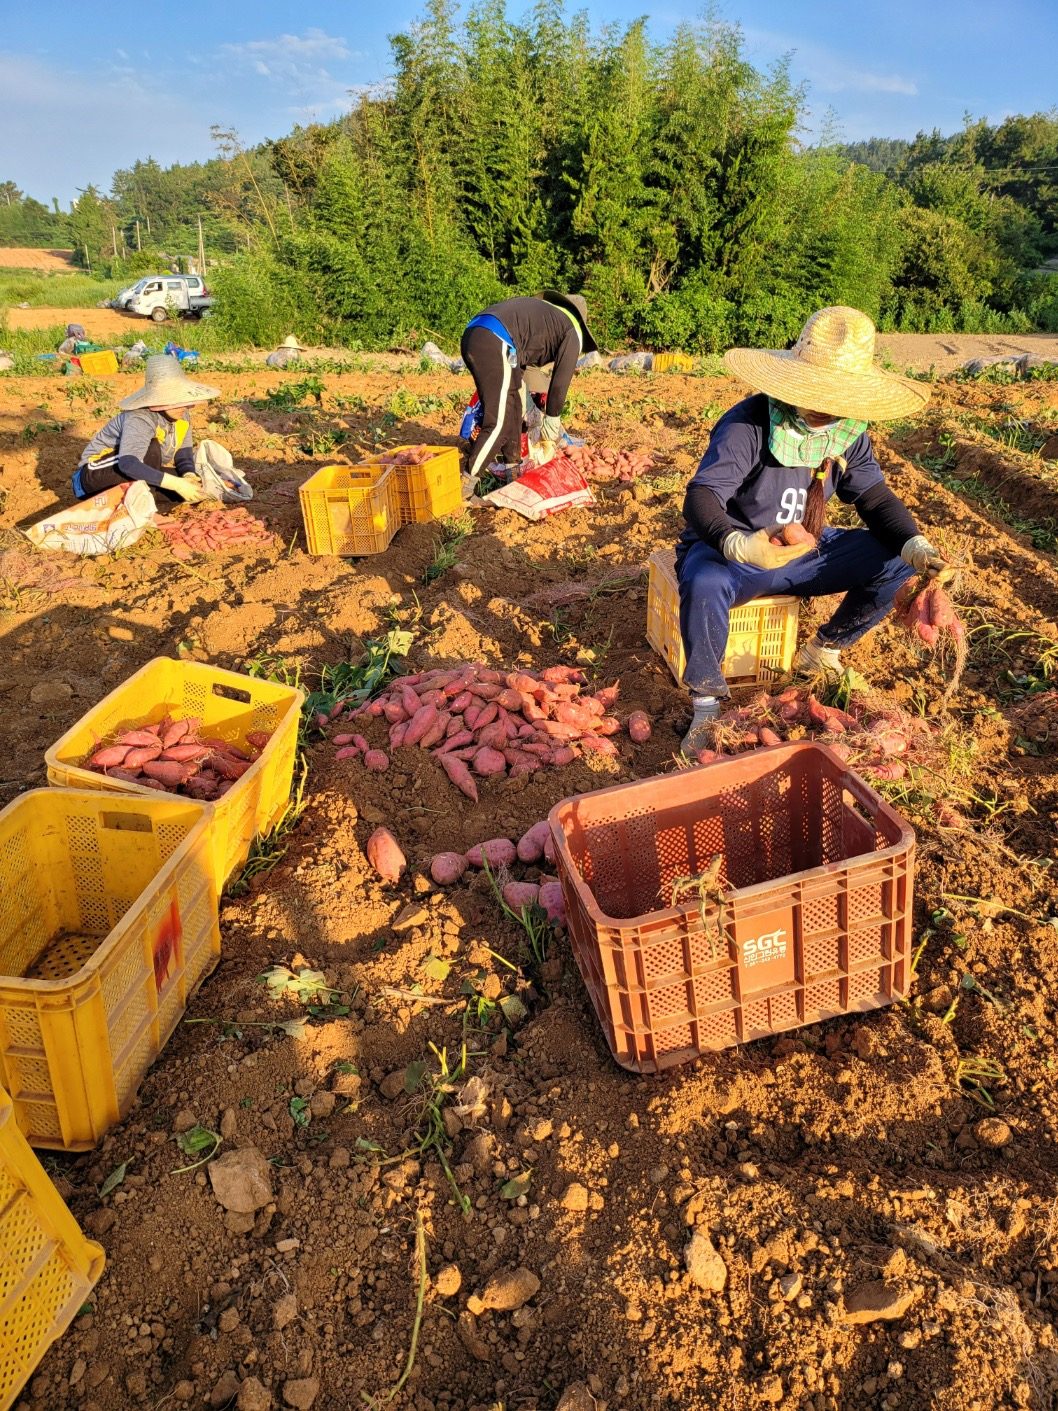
498,345
773,461
152,430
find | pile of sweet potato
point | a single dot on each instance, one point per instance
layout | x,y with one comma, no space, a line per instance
925,609
480,723
411,455
173,757
212,531
595,464
878,738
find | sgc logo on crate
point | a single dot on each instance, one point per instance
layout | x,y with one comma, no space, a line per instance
766,950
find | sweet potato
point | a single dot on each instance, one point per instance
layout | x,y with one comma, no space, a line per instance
460,775
258,738
139,738
173,732
422,721
595,744
563,756
345,739
797,534
184,751
520,894
768,736
639,727
398,734
447,867
488,761
550,898
531,843
436,733
376,760
108,757
347,752
229,768
167,773
497,852
138,757
385,856
410,701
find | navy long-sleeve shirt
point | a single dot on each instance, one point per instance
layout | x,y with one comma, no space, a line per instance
739,485
542,334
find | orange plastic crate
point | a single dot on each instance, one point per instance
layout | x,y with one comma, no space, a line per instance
814,921
762,635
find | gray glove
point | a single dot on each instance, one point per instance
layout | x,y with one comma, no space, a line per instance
758,551
551,428
920,555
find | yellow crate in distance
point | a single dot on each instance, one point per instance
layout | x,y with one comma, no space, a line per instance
108,921
671,362
47,1267
230,706
762,637
104,364
350,510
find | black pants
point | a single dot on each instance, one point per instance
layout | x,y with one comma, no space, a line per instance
97,478
499,389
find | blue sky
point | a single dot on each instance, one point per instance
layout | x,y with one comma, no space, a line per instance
90,87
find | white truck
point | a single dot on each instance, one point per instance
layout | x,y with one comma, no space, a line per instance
158,296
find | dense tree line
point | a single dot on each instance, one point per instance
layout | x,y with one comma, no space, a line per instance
665,181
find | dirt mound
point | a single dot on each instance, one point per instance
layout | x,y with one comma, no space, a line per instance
857,1214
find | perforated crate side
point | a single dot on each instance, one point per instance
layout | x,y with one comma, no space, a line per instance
75,1046
47,1267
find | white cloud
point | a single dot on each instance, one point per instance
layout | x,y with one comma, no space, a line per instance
298,62
827,69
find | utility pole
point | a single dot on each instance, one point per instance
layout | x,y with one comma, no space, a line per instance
138,245
201,251
87,260
114,238
148,227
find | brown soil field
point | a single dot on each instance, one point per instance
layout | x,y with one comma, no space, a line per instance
99,324
820,1164
49,261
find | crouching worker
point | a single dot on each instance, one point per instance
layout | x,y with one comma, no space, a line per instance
773,462
152,431
497,347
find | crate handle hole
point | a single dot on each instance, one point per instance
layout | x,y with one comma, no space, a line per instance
231,693
127,822
859,806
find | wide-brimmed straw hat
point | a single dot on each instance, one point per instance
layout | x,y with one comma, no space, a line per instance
576,305
166,384
830,369
290,341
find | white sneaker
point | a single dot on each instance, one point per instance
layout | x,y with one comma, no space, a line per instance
706,709
817,659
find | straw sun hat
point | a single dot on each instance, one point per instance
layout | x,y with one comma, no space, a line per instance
166,384
290,341
830,369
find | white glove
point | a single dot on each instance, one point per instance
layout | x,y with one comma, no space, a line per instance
920,555
551,428
758,551
189,490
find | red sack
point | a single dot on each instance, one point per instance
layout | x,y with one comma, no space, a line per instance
544,490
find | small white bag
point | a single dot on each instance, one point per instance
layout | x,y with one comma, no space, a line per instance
216,470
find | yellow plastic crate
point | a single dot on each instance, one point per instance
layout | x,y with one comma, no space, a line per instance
108,921
349,510
103,364
428,491
671,362
47,1267
762,637
230,706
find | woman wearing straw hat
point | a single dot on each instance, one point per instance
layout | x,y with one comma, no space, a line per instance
498,346
152,430
289,351
773,461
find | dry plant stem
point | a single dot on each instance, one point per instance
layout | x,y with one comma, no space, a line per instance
416,1327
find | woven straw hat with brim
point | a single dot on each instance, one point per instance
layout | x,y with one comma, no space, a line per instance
576,305
830,369
167,385
290,341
